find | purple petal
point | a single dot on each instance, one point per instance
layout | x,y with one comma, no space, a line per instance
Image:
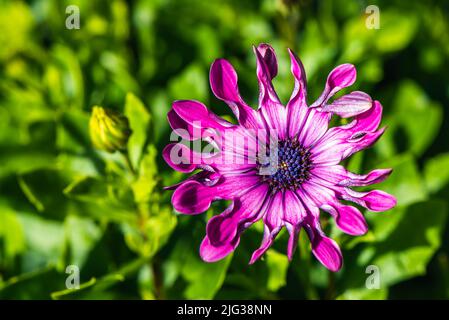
204,177
349,219
294,215
329,175
193,111
271,108
269,56
275,116
370,120
318,194
292,240
267,241
239,142
338,175
375,176
297,110
326,250
180,157
273,224
264,75
349,105
211,253
297,69
236,184
363,123
182,128
223,231
310,204
275,212
192,197
375,200
294,211
341,77
220,239
332,150
223,81
360,141
314,128
191,119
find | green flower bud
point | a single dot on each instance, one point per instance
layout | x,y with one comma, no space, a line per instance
109,130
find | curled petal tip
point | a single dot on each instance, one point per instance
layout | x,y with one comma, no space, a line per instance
269,56
210,253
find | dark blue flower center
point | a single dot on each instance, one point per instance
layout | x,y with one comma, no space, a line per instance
290,169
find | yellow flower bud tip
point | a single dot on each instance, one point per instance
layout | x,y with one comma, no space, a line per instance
109,130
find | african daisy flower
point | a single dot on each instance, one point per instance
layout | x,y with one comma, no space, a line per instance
287,183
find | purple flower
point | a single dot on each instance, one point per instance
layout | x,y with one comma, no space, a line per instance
306,177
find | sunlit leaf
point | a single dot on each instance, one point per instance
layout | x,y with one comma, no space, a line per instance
277,265
415,116
139,120
405,182
436,172
12,235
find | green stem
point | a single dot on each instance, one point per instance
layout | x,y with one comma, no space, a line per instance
304,273
330,293
25,276
143,211
128,162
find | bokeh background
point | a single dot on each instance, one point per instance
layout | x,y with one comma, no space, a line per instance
64,203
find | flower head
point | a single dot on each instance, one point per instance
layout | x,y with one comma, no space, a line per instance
109,130
279,164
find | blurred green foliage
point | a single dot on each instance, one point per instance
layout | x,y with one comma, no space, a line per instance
64,203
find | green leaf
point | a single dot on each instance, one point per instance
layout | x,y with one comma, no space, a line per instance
190,84
405,252
52,194
204,279
17,23
209,47
17,160
400,257
44,241
160,105
396,31
96,286
35,284
436,172
93,284
151,231
58,294
405,182
139,121
73,132
71,75
81,234
415,116
383,224
12,238
43,188
87,189
364,294
145,281
316,50
277,264
148,175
